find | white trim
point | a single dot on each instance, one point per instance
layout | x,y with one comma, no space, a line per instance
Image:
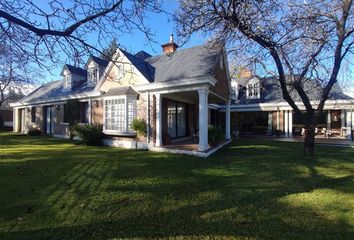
187,152
120,133
59,100
330,104
160,86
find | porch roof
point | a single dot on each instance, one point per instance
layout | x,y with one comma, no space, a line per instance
123,90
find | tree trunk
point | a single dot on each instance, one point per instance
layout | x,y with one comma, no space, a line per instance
309,143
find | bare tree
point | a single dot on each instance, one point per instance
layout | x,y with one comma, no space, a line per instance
307,40
16,74
45,30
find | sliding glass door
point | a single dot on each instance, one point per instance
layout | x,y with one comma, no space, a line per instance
176,119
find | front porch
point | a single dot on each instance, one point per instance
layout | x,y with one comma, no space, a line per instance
181,118
332,123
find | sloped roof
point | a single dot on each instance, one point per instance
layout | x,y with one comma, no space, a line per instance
54,91
145,68
182,64
123,90
142,55
102,62
271,92
75,70
185,63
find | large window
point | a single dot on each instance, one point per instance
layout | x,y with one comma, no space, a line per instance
119,114
76,112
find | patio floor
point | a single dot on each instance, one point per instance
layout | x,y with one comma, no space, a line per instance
334,141
185,144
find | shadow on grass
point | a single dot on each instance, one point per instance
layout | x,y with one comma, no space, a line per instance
78,192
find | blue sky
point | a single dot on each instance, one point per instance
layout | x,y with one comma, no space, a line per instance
161,25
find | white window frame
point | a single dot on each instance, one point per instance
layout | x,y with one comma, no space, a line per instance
93,74
253,89
127,130
67,81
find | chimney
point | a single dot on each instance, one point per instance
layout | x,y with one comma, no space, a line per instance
244,73
169,47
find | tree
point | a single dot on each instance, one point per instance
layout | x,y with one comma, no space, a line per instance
16,74
107,53
307,40
44,31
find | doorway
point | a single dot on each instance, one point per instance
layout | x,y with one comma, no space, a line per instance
48,119
176,119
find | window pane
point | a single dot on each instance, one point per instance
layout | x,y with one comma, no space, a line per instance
131,111
171,119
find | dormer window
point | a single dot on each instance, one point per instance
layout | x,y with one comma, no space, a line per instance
67,81
93,75
253,89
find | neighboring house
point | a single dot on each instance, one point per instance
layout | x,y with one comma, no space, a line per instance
259,108
173,92
5,116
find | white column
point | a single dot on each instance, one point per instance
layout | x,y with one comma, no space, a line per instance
227,120
349,124
329,120
26,112
286,123
158,120
290,123
203,119
15,120
342,122
148,117
278,120
342,118
270,123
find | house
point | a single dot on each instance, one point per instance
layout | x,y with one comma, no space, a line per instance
5,116
173,92
258,108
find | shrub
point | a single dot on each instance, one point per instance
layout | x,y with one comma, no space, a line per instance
139,125
34,132
90,135
215,135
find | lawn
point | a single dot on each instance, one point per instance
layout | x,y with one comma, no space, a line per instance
252,189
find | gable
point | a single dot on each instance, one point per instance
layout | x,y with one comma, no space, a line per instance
221,74
121,72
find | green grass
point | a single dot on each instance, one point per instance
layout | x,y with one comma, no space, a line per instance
253,189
